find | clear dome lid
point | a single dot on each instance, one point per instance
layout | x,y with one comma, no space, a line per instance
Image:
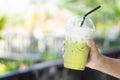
77,20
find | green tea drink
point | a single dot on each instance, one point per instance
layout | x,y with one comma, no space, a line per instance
76,50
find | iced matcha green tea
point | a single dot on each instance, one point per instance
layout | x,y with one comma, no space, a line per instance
76,50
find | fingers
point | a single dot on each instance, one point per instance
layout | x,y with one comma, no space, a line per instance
63,49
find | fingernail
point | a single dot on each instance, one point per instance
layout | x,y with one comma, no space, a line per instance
89,42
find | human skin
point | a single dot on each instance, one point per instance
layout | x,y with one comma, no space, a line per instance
102,63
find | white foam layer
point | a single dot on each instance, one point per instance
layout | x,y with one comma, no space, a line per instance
79,33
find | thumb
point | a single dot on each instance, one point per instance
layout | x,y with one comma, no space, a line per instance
92,46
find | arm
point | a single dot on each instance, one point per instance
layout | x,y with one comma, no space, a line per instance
102,63
110,66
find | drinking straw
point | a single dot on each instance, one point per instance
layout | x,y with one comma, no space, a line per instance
88,14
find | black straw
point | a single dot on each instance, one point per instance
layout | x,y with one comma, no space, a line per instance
88,14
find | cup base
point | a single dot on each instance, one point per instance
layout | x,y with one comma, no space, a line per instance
74,67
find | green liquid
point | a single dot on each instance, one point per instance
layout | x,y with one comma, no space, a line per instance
75,55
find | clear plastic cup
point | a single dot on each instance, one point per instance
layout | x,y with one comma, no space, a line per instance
76,50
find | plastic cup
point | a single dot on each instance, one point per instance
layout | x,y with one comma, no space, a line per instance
76,50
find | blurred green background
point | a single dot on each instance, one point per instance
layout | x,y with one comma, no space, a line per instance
34,29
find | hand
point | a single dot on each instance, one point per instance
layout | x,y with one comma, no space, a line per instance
94,57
